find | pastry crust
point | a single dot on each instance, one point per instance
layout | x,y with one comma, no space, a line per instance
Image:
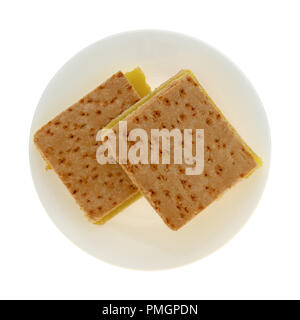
175,196
68,143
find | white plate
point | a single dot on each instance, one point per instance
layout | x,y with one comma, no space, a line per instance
137,238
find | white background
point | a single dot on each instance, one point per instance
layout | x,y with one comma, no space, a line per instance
261,37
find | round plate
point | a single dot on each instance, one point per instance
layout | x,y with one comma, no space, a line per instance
137,237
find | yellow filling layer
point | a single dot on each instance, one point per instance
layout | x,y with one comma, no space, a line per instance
118,209
137,78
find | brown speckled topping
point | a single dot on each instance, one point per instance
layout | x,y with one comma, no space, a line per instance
178,197
68,144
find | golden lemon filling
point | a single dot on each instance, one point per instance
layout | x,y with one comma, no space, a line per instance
137,78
